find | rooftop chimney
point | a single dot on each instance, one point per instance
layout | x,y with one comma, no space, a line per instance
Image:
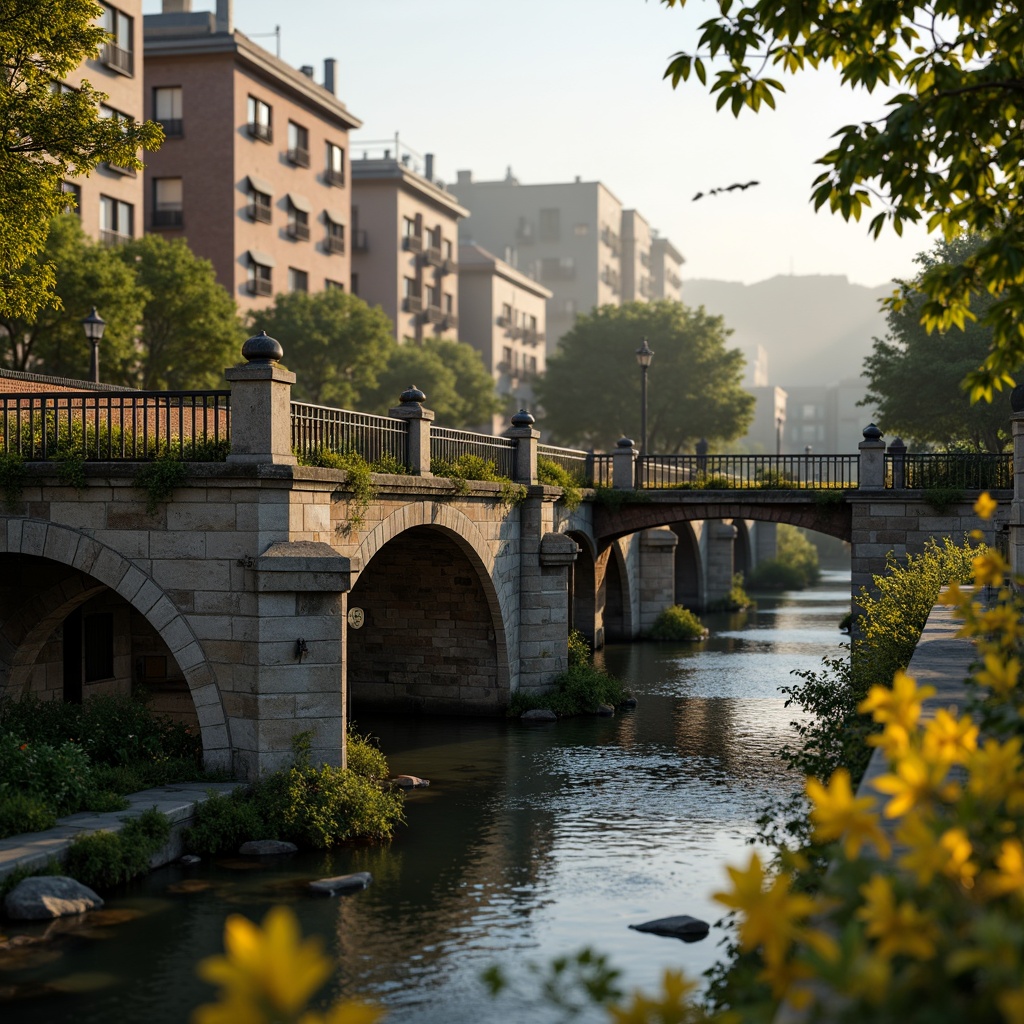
176,6
330,76
307,70
225,20
428,171
464,177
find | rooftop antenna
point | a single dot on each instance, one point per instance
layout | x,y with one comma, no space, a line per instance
266,35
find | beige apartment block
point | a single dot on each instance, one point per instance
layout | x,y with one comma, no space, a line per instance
109,200
502,314
566,236
254,172
405,232
636,258
666,264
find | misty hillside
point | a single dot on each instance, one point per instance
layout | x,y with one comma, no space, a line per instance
816,329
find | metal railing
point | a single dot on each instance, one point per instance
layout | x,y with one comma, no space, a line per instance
602,469
948,469
114,426
376,438
760,472
116,57
448,446
575,462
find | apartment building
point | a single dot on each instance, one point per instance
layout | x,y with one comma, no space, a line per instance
254,171
502,314
666,265
636,258
109,201
566,236
405,229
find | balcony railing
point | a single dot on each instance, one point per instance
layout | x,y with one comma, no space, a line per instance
434,314
413,243
432,257
118,59
115,426
447,446
449,321
298,156
611,240
298,231
335,178
169,217
173,127
376,438
412,304
533,337
335,244
261,131
260,286
114,238
360,241
127,172
260,212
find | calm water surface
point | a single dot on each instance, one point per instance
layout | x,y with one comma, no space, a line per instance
530,842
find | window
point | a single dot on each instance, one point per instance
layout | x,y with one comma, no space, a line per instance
260,276
447,250
550,226
506,315
74,194
434,238
581,230
167,109
116,115
532,363
506,357
259,202
168,203
116,221
98,646
355,284
557,268
335,241
260,126
335,165
118,52
532,325
412,302
449,303
298,144
333,286
298,280
298,218
433,296
412,238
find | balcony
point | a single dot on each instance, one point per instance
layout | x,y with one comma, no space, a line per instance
168,217
257,130
432,257
611,240
127,172
121,61
533,337
360,241
449,267
434,314
333,177
335,244
114,238
412,304
260,212
413,243
173,127
298,156
449,322
299,232
260,286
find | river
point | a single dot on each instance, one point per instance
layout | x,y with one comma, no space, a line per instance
531,842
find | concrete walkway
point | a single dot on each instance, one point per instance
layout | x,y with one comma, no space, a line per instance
35,850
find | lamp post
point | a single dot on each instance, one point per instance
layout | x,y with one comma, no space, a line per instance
644,355
94,326
778,435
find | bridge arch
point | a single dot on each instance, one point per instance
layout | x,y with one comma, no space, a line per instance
450,641
690,585
742,551
94,568
617,603
583,590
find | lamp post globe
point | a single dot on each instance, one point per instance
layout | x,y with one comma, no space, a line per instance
94,326
644,355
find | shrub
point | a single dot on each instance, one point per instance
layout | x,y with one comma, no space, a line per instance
101,860
20,812
475,467
735,601
365,758
677,623
773,574
576,692
60,777
224,823
555,475
579,649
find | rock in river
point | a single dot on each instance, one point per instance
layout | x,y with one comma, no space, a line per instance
410,782
689,929
539,715
47,896
342,883
266,848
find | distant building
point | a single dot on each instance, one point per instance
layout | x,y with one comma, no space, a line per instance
254,169
502,315
109,201
636,258
406,233
666,264
766,435
827,418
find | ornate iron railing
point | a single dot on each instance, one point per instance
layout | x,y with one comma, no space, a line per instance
756,472
956,470
447,446
114,426
572,460
378,439
602,469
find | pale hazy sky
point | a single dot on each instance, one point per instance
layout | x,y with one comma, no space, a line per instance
559,88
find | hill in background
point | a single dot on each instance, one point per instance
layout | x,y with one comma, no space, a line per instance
816,329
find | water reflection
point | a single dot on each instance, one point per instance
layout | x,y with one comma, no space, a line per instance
530,842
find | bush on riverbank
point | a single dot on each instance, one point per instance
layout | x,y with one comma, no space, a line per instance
58,758
311,806
737,600
102,860
577,692
677,623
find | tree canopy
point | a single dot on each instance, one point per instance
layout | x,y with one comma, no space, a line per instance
949,152
915,379
591,391
48,134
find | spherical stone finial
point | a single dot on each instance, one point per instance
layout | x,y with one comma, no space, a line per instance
872,433
261,348
523,419
624,442
412,394
1017,398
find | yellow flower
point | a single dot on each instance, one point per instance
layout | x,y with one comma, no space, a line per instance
985,506
929,855
1003,622
269,966
1000,674
838,814
1009,874
989,569
899,928
949,739
994,770
899,704
951,595
671,1005
912,782
894,740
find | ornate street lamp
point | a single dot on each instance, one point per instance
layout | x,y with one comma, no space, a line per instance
644,355
94,325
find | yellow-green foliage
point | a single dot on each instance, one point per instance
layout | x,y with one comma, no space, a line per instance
554,475
677,623
475,467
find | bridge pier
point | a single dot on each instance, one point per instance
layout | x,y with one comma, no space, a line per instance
657,574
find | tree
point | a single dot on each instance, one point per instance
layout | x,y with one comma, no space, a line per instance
914,379
591,391
949,152
86,274
47,135
333,341
190,326
451,374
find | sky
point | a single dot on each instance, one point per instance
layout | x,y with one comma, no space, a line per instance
560,88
